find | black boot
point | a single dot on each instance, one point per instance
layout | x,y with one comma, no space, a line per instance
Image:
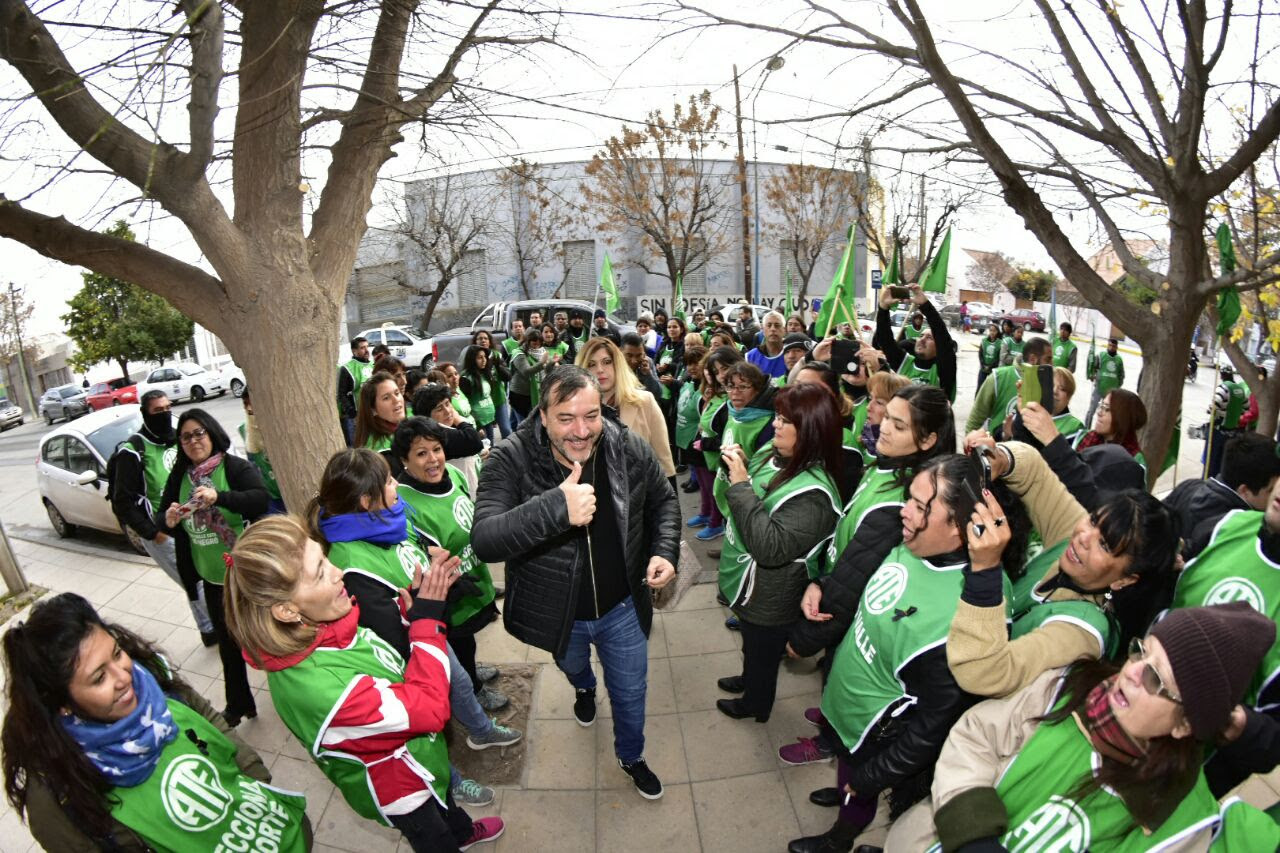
838,839
826,797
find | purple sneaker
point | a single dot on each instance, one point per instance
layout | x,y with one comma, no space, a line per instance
814,716
805,750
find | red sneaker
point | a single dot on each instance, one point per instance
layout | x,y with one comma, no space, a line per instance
805,750
485,829
814,715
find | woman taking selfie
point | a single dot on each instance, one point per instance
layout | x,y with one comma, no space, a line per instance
96,725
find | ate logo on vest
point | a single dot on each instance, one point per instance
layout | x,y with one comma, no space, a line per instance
386,655
464,511
1059,826
885,588
1236,589
408,558
169,456
193,797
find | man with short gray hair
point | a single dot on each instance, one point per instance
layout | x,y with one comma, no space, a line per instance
768,356
587,524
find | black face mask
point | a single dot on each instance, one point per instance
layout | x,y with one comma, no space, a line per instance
159,424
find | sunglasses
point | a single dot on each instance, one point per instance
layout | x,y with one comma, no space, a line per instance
1152,681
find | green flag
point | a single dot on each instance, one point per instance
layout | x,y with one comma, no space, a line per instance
609,286
894,275
678,311
1228,297
934,279
837,305
790,304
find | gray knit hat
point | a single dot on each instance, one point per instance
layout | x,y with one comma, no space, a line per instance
1214,653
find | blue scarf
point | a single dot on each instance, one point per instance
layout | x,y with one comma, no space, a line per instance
127,750
384,527
748,414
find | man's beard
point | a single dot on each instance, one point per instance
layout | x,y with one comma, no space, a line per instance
561,448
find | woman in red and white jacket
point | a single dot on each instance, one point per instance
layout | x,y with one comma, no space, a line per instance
370,721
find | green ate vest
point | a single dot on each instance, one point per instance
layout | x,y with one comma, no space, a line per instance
688,414
390,565
743,434
877,489
664,358
1107,376
918,375
910,332
1030,610
852,435
461,404
989,353
1237,402
482,404
511,345
307,694
206,548
1069,427
1006,396
445,520
263,464
1232,567
360,372
864,684
1062,351
709,412
1245,829
198,799
157,462
378,443
1015,346
1042,816
737,566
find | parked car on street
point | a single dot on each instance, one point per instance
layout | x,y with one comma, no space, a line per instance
410,345
71,471
183,381
1032,321
103,394
980,315
496,319
233,378
10,415
65,401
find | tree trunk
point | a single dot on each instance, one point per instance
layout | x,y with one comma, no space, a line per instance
1164,373
432,303
124,367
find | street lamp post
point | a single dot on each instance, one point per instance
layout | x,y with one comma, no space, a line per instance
774,64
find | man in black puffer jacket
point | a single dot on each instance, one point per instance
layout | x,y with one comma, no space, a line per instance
587,523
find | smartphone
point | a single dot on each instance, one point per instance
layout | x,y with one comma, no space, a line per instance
1037,385
898,291
844,356
983,454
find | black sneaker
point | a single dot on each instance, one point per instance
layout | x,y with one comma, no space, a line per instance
646,783
584,707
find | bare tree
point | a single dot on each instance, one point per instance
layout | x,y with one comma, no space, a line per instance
656,183
991,272
540,220
275,265
1117,109
814,206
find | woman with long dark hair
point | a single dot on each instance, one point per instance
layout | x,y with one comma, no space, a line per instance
210,496
670,358
529,363
479,375
379,411
711,426
500,368
783,505
96,722
1116,761
1120,417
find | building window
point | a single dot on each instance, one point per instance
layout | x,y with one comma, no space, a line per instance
580,269
695,281
381,293
473,286
787,264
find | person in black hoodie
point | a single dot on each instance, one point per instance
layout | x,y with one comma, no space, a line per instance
931,358
142,465
1249,470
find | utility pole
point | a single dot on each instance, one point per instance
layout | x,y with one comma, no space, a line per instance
22,358
923,248
743,199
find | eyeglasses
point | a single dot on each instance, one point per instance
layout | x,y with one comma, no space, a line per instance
1104,407
193,436
1152,681
739,386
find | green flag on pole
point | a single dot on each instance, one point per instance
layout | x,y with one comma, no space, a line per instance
1228,297
791,305
894,275
679,308
609,286
837,305
934,279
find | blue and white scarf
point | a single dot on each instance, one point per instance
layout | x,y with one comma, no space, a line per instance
126,751
387,526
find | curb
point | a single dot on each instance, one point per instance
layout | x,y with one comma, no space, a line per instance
75,547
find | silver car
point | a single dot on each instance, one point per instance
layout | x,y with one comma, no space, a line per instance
65,401
71,471
10,415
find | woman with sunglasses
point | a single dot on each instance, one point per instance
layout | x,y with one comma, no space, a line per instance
210,496
1116,761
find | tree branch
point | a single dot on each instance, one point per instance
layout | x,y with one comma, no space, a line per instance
1263,136
204,19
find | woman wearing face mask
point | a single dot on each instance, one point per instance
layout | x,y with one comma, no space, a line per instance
783,504
380,410
891,699
1099,580
333,681
97,721
711,427
1115,763
210,496
636,407
528,365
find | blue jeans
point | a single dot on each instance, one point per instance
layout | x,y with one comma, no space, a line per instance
166,556
462,699
503,413
624,653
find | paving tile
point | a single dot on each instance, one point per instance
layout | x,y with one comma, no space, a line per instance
342,828
305,778
548,820
745,814
180,642
787,722
799,678
561,756
204,661
554,696
701,596
658,637
659,698
802,781
663,750
718,747
628,823
697,632
693,678
266,732
494,645
15,837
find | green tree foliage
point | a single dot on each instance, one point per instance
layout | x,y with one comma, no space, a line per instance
114,320
1035,285
1136,290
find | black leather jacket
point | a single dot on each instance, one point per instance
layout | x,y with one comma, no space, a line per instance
521,518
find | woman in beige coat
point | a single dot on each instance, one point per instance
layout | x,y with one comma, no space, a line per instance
620,389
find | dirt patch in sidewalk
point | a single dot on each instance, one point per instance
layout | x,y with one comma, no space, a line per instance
11,604
498,765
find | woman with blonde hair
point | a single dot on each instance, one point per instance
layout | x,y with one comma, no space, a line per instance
620,389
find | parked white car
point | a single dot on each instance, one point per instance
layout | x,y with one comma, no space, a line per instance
71,471
183,381
406,343
10,414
